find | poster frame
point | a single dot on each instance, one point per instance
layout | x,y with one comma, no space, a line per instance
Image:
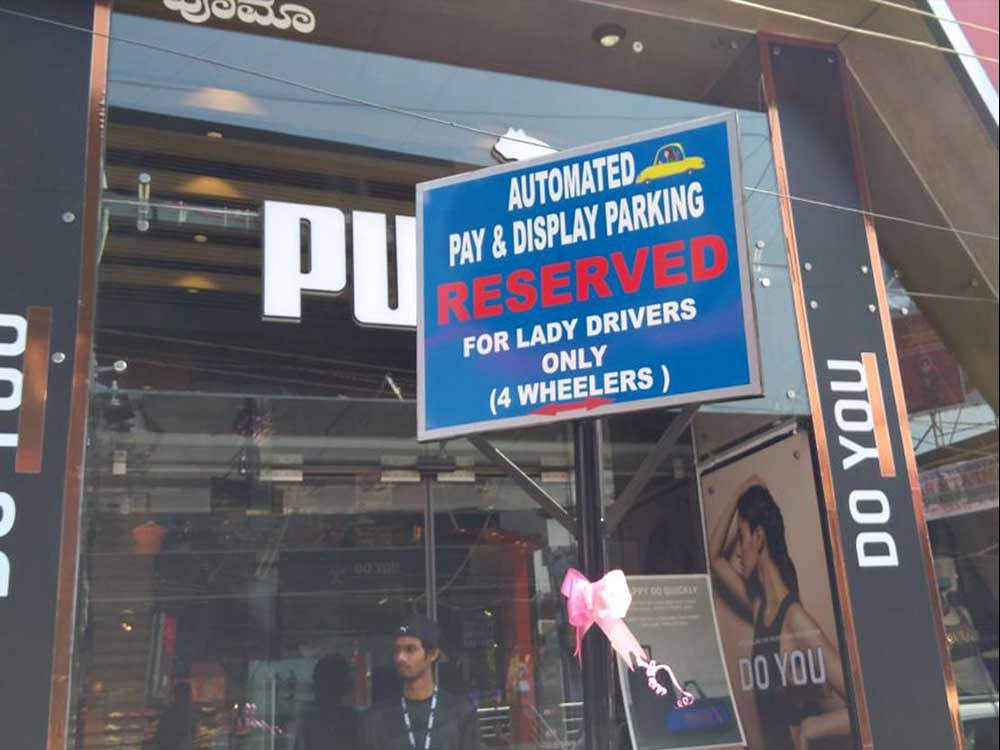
623,677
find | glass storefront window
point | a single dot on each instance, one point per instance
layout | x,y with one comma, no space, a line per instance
255,502
235,542
258,516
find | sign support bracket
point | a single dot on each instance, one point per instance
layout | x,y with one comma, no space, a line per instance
656,456
526,483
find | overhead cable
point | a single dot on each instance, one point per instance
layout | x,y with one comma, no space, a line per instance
442,121
258,74
930,14
952,297
857,30
790,14
251,214
874,214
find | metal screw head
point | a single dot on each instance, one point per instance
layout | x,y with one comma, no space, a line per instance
905,310
807,265
790,393
829,58
119,366
864,269
58,358
759,244
144,178
637,47
765,282
68,217
776,51
813,304
872,308
142,225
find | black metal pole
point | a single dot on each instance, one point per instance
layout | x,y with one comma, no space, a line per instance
597,675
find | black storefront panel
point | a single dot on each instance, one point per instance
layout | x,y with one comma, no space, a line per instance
45,88
861,441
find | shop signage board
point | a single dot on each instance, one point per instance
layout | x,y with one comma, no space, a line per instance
881,552
600,280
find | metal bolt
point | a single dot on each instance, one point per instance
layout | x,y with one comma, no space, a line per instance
808,266
637,47
905,310
829,58
58,357
68,217
760,244
864,269
144,178
765,282
872,308
790,393
776,51
813,304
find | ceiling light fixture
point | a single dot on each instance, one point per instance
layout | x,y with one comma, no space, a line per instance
213,134
125,620
608,34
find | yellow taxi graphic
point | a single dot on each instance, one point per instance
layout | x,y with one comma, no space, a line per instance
670,160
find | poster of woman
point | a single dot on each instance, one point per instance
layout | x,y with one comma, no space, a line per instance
771,585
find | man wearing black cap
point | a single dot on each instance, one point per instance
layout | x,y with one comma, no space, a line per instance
423,717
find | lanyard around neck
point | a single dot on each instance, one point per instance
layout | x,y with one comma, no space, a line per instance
430,721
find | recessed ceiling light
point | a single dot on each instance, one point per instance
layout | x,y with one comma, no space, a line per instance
200,238
608,34
213,134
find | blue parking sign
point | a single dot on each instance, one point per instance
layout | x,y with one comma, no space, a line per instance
605,279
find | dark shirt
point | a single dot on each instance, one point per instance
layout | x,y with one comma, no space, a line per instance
456,726
176,729
330,728
777,707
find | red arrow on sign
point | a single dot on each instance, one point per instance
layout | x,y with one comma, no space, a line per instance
550,410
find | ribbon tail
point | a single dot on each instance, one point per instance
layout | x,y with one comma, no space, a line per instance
623,641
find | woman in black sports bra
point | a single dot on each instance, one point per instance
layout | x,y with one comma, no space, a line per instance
751,564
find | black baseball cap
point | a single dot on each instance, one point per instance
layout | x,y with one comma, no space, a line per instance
422,627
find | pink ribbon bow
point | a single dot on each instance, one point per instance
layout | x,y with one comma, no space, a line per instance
604,603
